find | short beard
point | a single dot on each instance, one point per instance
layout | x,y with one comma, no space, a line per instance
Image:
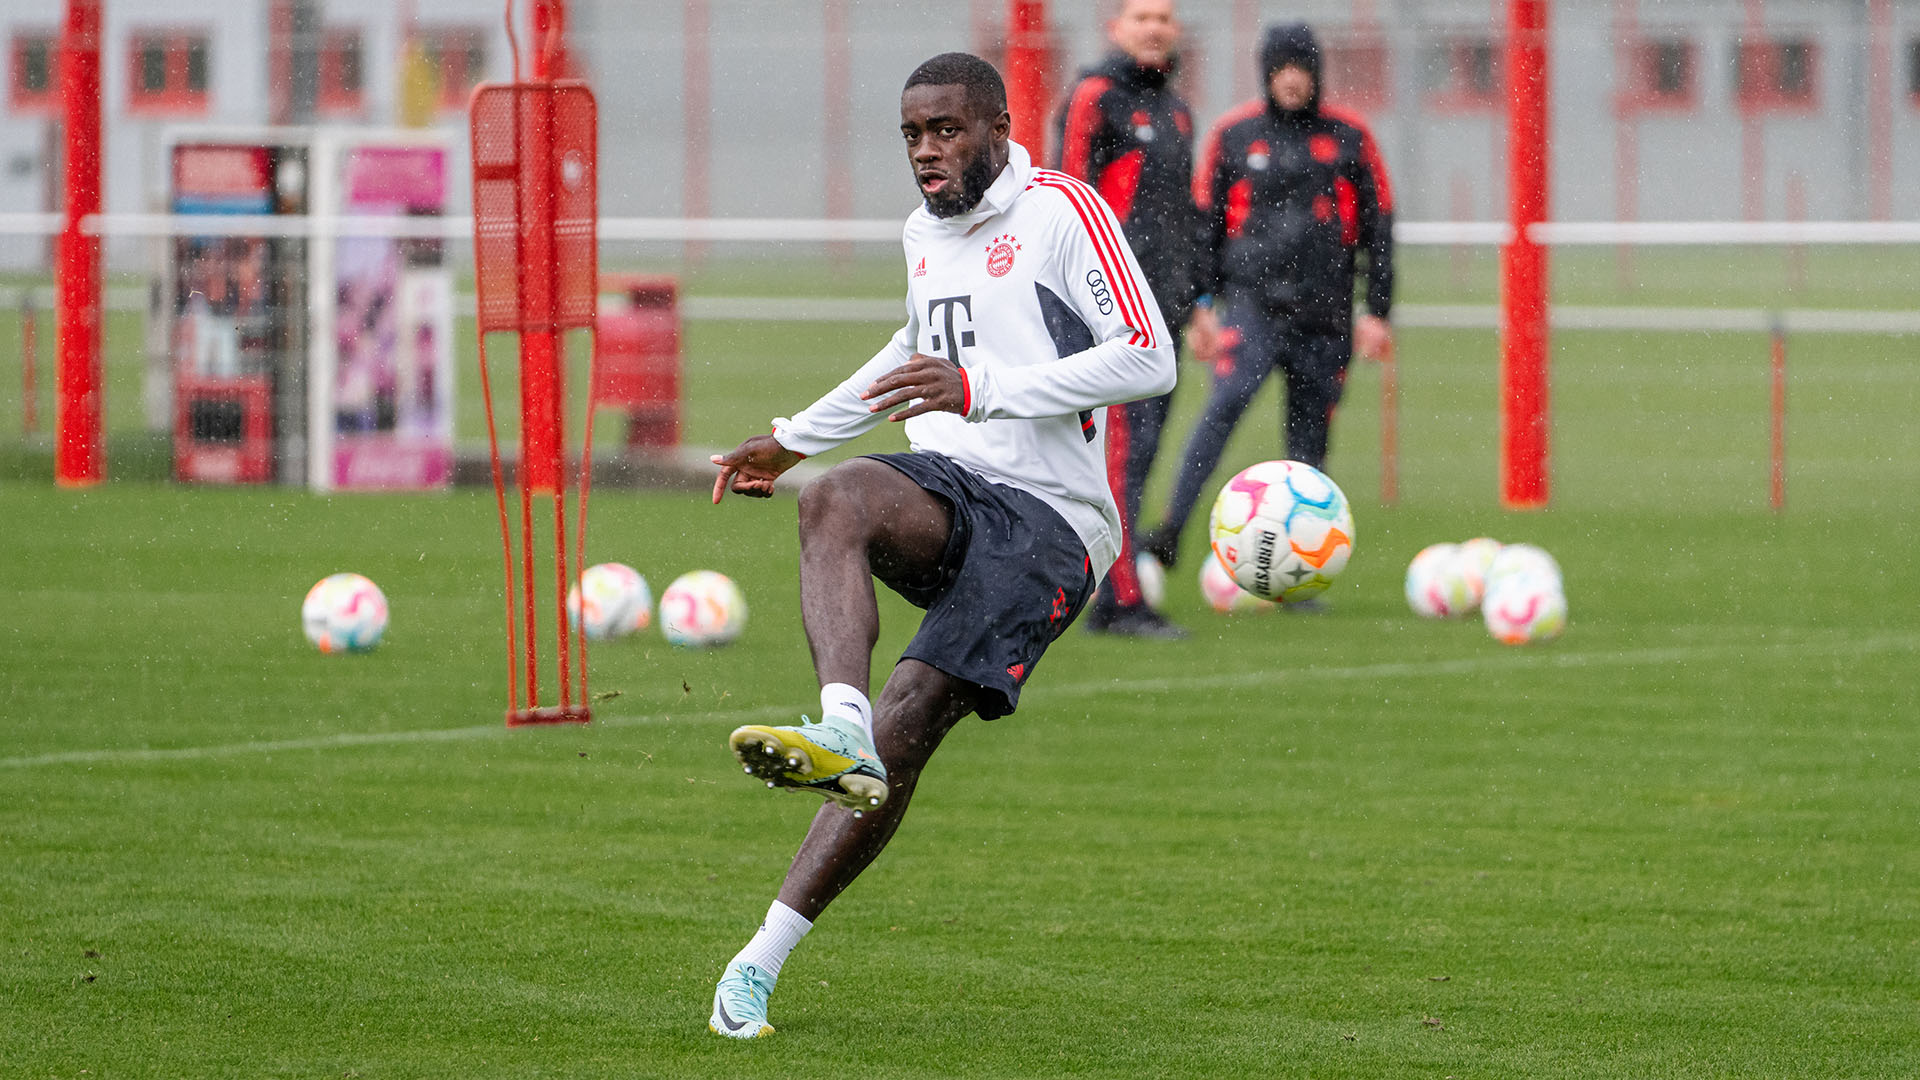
975,177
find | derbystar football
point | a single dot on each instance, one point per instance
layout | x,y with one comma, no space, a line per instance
1434,587
1282,529
1525,607
1223,595
344,613
1476,558
612,599
702,608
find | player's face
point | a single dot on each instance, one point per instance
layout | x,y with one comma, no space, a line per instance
1147,31
1291,87
954,151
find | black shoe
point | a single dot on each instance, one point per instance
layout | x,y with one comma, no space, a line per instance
1163,544
1138,621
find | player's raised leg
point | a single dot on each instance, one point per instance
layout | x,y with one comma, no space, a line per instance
919,705
862,520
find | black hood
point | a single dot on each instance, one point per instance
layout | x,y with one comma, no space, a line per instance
1124,69
1291,43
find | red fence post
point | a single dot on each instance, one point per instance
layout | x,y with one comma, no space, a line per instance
1026,74
1523,315
79,459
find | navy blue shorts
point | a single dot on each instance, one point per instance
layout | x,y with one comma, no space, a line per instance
1014,576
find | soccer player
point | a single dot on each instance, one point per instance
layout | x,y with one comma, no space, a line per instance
1026,315
1125,131
1294,190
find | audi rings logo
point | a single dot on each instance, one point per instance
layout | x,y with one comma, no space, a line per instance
1101,297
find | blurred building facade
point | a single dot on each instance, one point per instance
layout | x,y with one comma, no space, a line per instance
1708,109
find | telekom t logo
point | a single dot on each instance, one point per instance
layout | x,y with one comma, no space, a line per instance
940,312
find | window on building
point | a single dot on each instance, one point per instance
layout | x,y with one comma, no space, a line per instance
169,72
457,59
1357,71
1776,73
33,80
342,89
1659,73
1913,70
1464,72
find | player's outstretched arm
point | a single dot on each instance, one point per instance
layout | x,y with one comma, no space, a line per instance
751,468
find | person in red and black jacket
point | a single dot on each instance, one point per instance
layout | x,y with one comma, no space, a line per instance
1294,191
1126,132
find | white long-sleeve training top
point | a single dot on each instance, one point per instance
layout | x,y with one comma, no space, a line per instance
1038,299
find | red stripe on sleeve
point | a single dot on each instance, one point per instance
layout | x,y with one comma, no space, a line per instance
1116,268
1083,117
1086,203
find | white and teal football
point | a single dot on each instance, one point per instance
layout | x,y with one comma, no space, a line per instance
1224,595
702,608
610,599
344,613
1434,586
1282,530
1525,607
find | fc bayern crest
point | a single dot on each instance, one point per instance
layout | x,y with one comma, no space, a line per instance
1000,254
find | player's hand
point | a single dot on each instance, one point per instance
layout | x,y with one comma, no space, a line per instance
934,380
1373,338
751,467
1203,334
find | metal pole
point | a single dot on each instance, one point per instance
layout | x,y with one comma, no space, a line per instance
79,459
1777,486
1523,302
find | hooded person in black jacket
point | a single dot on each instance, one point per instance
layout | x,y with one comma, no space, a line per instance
1293,191
1125,131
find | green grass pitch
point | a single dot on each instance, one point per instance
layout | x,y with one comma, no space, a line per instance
1676,843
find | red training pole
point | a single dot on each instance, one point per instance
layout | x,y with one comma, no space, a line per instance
1026,74
1523,315
1777,487
78,457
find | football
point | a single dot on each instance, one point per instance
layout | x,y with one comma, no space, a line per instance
609,600
1223,595
1517,559
344,613
1282,530
1153,579
1476,558
702,608
1525,607
1435,588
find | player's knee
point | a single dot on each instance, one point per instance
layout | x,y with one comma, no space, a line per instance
836,502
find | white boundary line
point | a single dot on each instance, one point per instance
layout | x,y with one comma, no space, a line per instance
1793,643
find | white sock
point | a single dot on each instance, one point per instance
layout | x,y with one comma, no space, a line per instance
769,948
838,699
